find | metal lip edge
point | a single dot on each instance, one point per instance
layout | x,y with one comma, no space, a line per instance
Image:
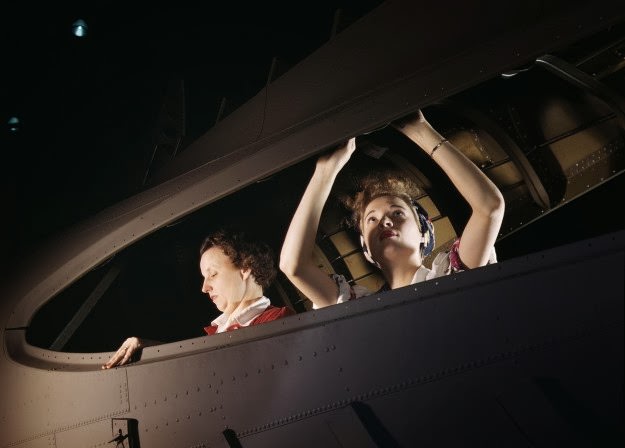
19,351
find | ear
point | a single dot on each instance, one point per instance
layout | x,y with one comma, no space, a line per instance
245,273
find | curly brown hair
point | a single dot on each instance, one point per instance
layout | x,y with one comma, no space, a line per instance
374,186
244,253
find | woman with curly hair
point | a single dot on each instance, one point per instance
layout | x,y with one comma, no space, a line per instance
236,270
395,232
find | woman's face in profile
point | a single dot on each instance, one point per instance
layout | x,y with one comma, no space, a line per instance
390,230
223,281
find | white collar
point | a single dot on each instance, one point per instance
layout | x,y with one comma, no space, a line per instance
243,317
420,275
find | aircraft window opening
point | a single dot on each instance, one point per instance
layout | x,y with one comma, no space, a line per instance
534,135
158,288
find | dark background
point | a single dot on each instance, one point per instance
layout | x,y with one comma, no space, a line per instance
88,106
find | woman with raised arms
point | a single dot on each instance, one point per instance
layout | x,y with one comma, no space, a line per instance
395,232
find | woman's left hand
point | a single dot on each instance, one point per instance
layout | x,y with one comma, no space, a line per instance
124,353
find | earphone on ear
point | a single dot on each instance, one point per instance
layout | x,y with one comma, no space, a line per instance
427,229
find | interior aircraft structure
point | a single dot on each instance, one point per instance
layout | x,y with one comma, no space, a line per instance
525,352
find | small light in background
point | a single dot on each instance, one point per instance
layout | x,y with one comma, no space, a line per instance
14,124
79,28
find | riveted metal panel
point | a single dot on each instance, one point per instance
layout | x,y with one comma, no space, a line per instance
474,327
94,435
335,429
38,442
39,402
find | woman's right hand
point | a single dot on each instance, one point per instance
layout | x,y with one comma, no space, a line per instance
337,159
124,353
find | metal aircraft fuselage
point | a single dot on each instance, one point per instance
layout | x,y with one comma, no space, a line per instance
526,352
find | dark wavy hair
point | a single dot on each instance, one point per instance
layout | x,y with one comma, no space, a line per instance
374,186
244,253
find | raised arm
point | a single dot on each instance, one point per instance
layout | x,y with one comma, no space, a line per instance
485,199
296,257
